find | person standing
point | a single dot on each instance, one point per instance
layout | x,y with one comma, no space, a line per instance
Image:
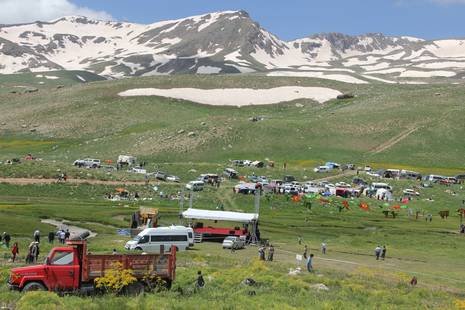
6,239
51,237
35,252
299,239
200,282
323,248
377,252
37,236
270,253
67,234
62,236
14,251
305,251
310,263
261,253
383,253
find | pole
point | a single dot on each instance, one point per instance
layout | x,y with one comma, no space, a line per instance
181,206
191,199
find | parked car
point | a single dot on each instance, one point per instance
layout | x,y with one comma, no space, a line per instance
288,178
195,186
173,178
160,175
460,178
410,192
234,241
342,185
231,173
138,170
322,169
87,163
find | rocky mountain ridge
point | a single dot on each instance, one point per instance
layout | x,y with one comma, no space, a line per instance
223,42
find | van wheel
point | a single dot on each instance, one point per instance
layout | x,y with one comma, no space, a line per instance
34,286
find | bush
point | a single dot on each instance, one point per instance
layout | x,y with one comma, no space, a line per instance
40,300
115,279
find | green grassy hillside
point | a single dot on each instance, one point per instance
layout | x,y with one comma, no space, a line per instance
411,125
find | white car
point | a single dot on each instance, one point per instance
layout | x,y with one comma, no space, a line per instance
321,169
410,192
173,178
195,186
342,185
87,163
237,242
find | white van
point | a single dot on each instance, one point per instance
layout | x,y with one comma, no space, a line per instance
190,233
381,186
150,240
195,186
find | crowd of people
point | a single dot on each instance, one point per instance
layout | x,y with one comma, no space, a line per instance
266,253
34,246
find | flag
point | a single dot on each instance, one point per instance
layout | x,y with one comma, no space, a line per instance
364,206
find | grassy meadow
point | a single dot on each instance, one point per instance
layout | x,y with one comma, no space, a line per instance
414,127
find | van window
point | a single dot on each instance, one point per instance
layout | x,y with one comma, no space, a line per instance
143,239
167,238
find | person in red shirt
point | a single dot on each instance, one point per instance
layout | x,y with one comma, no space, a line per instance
14,251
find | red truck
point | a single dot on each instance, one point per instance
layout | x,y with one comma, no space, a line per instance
72,269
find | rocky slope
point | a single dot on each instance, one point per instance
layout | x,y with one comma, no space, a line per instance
223,42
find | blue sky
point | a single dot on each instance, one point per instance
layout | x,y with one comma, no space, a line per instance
289,19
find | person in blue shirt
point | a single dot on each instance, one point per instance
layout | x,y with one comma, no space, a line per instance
309,263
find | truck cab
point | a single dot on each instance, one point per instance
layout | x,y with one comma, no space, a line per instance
60,272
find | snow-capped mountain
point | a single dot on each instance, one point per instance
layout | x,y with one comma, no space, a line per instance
222,42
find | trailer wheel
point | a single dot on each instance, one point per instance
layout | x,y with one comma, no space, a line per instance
33,286
134,289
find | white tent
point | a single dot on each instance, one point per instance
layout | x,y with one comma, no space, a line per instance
219,215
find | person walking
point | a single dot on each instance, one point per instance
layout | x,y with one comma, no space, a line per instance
305,251
270,253
37,236
67,234
14,251
310,263
323,248
35,252
377,252
383,253
6,239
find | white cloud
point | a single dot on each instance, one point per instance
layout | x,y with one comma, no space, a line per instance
24,11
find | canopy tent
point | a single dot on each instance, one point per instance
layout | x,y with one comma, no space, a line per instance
198,214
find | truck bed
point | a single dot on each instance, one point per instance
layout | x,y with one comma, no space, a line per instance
163,265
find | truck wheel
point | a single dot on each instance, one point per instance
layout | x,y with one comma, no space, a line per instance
33,286
134,289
